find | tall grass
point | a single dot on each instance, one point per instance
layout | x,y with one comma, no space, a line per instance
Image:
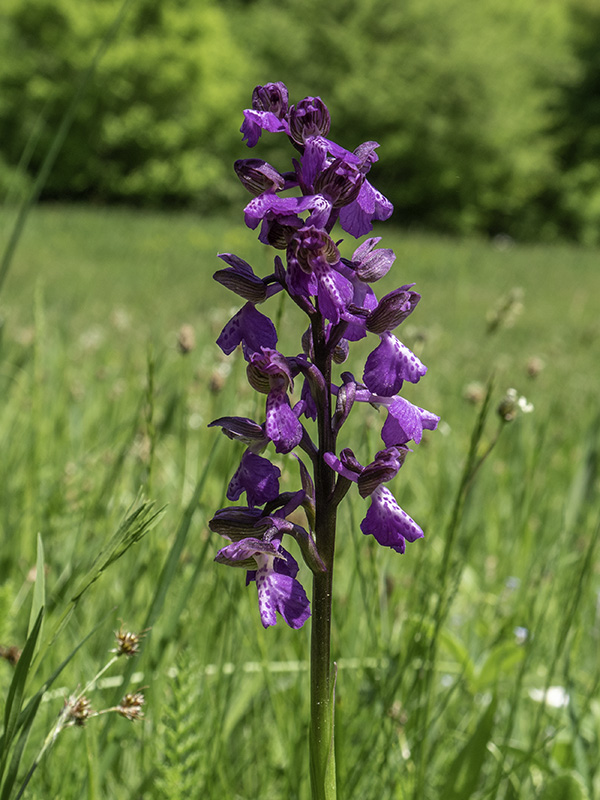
447,657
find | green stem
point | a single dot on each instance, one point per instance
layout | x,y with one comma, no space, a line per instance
322,752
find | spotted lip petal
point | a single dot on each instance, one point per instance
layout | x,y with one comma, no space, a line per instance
388,523
389,365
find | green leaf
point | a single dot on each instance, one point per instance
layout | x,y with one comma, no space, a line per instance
463,775
455,648
39,587
502,660
134,527
16,691
564,787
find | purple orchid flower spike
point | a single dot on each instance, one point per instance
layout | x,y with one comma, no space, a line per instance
296,212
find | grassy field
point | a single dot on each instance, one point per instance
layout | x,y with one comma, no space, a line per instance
445,654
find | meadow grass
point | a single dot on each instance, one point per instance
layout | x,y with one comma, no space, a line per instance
443,654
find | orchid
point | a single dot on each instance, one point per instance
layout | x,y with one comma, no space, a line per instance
295,212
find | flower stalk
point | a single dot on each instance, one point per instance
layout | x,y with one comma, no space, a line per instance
306,404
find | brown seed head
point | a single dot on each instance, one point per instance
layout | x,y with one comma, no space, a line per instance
130,706
128,644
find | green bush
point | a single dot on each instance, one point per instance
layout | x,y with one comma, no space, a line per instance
578,129
459,95
157,121
486,113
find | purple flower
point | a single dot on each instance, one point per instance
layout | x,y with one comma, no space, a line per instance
392,309
258,176
370,263
271,97
388,523
357,218
405,421
257,477
275,576
389,365
309,118
269,373
249,327
385,520
240,278
312,260
340,182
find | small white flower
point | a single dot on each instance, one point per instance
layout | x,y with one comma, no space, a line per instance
555,696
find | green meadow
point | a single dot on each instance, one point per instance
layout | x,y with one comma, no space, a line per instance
467,668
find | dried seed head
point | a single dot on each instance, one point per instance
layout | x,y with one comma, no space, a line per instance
128,644
186,339
10,654
77,710
130,706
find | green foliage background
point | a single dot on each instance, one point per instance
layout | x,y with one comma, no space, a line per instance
486,112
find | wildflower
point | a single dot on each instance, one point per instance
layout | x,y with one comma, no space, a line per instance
512,404
11,654
295,213
186,339
534,366
385,520
275,577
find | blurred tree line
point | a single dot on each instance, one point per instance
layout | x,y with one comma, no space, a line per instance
488,112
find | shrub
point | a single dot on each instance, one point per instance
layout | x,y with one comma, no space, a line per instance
154,124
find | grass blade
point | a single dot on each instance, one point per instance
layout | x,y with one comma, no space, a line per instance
16,691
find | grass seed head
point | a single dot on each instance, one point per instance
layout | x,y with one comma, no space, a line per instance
130,706
128,644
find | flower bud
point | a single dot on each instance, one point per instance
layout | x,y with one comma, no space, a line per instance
349,461
344,403
341,351
238,522
382,469
271,97
511,405
240,429
257,176
392,310
309,117
375,265
250,287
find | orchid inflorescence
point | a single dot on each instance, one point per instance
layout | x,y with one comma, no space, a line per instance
335,293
